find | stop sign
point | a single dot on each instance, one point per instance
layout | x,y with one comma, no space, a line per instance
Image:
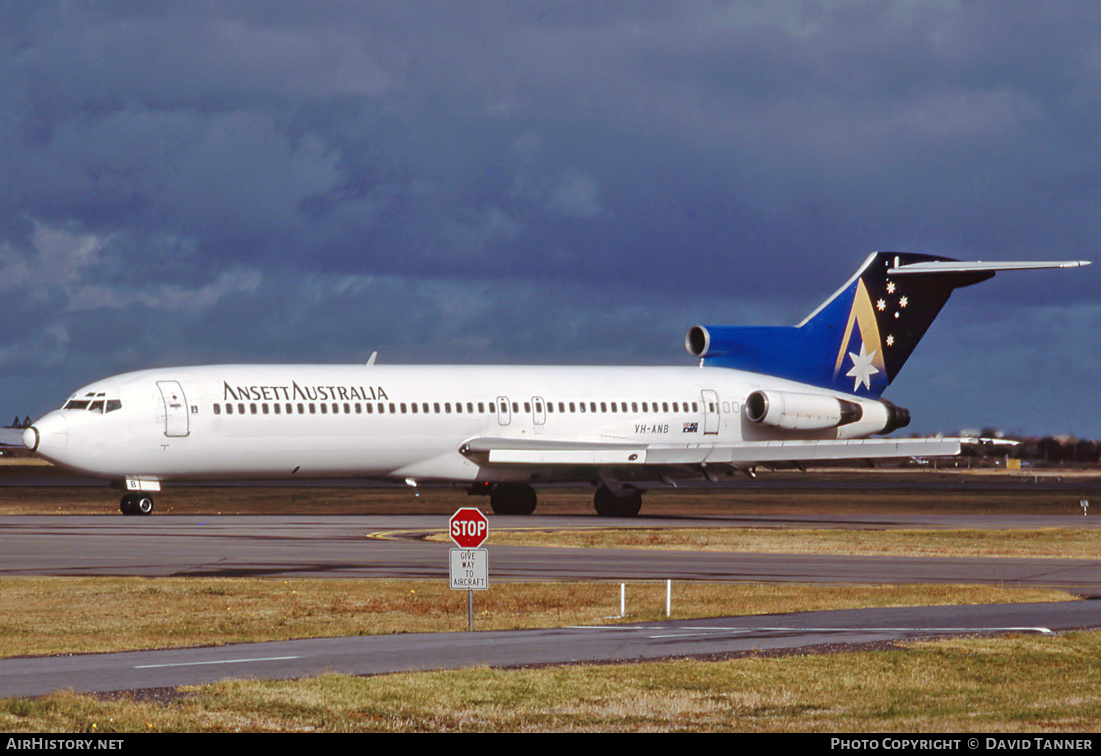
468,528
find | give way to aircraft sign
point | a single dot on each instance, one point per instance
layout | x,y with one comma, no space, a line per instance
469,529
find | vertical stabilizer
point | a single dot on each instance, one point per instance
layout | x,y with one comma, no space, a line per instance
857,341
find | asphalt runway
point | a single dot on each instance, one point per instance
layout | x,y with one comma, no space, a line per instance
376,546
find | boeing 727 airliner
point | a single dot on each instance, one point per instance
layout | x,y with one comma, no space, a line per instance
759,395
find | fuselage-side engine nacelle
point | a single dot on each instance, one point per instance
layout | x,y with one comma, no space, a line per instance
795,411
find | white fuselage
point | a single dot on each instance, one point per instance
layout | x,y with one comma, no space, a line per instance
389,422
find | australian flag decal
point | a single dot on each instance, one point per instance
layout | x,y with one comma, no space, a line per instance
690,428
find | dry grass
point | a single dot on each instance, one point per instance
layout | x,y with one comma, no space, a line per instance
1015,684
83,615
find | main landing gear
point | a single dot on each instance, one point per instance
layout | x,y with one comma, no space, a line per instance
623,503
136,504
519,499
512,498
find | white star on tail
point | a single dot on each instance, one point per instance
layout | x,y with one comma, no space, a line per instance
863,369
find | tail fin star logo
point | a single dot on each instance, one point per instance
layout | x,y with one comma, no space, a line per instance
862,319
862,369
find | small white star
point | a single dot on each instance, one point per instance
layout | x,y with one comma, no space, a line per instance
881,305
890,340
862,369
902,302
890,287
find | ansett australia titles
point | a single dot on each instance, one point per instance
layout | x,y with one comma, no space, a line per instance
294,392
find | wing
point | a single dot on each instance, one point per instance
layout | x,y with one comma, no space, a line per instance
12,437
573,459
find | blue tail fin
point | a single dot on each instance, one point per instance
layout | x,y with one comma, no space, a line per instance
858,340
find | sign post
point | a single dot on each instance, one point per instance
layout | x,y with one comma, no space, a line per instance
469,529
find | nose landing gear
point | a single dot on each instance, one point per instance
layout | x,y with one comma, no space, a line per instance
136,504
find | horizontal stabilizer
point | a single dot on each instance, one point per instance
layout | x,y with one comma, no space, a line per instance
955,266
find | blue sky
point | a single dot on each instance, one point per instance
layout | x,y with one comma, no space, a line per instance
544,182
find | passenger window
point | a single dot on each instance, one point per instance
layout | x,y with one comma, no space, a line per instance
229,409
217,409
264,408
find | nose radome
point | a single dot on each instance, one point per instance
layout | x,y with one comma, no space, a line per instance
48,432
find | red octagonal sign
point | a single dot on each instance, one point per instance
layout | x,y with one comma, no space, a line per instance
469,528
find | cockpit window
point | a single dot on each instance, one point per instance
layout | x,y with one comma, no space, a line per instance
94,405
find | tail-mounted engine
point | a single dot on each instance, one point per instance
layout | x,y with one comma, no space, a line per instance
794,411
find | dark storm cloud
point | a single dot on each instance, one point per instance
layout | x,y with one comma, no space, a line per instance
310,181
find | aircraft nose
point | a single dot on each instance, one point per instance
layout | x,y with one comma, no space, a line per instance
48,433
